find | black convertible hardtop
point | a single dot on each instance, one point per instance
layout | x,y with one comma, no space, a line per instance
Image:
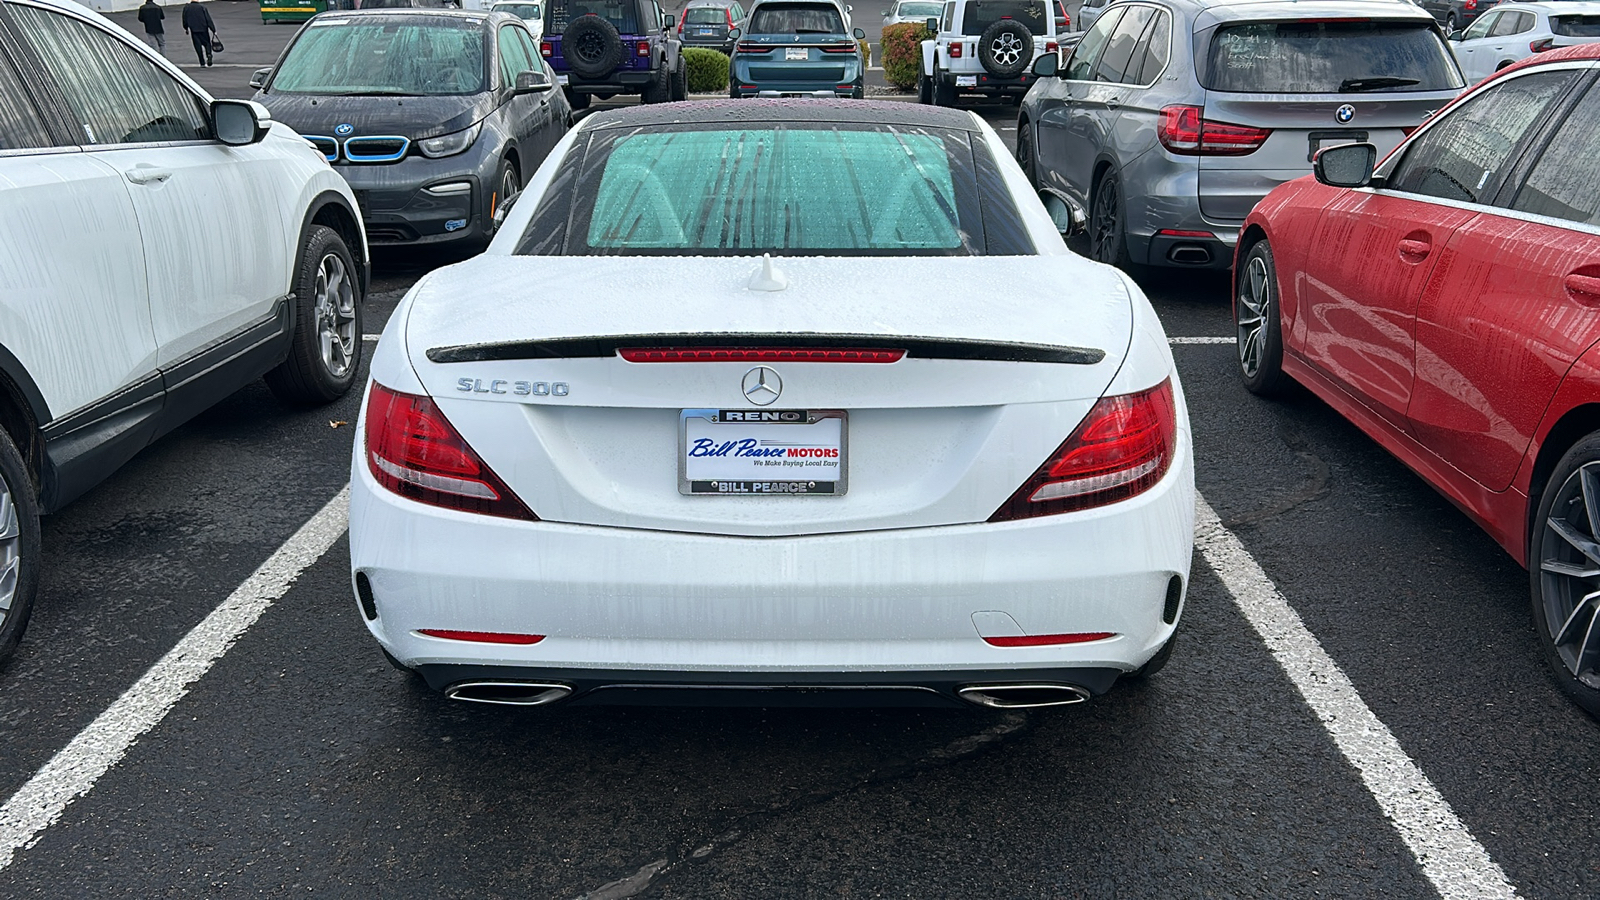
786,110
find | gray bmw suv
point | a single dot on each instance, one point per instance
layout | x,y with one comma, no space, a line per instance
1171,118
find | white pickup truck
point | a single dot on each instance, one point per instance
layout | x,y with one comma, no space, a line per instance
986,47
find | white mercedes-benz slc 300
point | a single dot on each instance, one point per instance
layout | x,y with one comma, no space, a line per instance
774,402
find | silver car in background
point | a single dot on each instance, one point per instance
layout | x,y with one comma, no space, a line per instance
1171,118
912,11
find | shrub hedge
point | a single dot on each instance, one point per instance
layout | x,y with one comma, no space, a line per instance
902,53
708,70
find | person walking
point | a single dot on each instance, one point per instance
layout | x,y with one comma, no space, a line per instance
156,33
197,21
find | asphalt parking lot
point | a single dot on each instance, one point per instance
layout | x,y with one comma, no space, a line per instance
301,763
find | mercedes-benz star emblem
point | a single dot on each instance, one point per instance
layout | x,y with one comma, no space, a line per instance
1344,114
344,129
762,386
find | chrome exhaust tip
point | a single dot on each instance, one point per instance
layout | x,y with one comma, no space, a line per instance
508,693
1023,696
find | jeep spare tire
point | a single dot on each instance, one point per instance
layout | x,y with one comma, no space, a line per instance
1005,48
592,47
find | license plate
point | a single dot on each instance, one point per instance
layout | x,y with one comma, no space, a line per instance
796,53
966,81
704,31
561,79
1320,139
738,452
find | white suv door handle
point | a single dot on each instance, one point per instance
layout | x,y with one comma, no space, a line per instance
144,173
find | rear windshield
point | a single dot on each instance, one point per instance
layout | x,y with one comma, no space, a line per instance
795,18
520,10
920,10
374,57
798,189
983,13
1328,58
620,13
1575,26
705,15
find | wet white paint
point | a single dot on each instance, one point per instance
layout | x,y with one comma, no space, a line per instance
1451,858
73,771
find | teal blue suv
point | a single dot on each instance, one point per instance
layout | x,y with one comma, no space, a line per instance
798,48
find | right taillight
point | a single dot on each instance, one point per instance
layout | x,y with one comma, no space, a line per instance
1542,46
414,451
1120,449
955,51
1184,130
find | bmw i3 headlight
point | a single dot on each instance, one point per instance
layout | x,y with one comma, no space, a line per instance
449,144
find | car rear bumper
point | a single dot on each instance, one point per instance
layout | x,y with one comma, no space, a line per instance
984,83
840,609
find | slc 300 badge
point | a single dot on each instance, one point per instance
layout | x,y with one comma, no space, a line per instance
514,388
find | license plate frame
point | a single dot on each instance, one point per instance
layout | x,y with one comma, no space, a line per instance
725,475
792,54
966,81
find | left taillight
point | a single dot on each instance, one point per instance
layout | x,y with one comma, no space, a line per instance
642,48
1120,450
1186,131
414,451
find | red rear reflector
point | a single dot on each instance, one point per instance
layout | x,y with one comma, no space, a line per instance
414,451
1048,640
770,354
955,51
1120,450
482,637
1178,232
1184,130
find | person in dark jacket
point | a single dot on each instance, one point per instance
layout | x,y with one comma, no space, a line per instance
197,21
156,33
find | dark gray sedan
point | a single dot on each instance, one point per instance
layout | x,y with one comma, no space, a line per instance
433,117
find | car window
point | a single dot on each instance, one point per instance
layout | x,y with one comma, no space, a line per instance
980,14
1575,26
1565,182
1335,57
1081,65
796,18
946,23
1119,48
705,15
520,10
1151,58
513,56
1466,156
1480,28
791,188
622,14
21,126
378,56
115,93
918,10
535,61
1511,23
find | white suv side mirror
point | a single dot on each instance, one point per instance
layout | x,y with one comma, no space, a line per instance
240,122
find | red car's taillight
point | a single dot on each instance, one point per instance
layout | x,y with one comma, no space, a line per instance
1120,449
414,451
642,48
545,49
1186,131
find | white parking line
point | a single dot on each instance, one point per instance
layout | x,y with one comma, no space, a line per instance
73,771
1200,340
1450,857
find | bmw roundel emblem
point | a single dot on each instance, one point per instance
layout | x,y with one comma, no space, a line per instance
346,128
1344,114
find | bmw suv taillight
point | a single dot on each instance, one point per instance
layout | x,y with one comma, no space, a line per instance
1120,450
414,451
1184,130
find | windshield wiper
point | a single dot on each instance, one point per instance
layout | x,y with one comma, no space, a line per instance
1372,84
377,93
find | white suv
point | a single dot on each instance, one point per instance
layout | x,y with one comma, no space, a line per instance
158,250
986,47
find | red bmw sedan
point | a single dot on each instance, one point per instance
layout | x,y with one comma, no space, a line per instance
1447,301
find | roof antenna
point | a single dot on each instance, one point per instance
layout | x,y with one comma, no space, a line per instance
769,277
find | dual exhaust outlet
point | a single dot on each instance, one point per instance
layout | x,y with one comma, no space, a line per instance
994,696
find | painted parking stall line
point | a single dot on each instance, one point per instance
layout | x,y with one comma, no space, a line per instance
73,771
1200,340
1451,858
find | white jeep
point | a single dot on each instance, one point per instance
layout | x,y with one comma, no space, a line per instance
985,47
